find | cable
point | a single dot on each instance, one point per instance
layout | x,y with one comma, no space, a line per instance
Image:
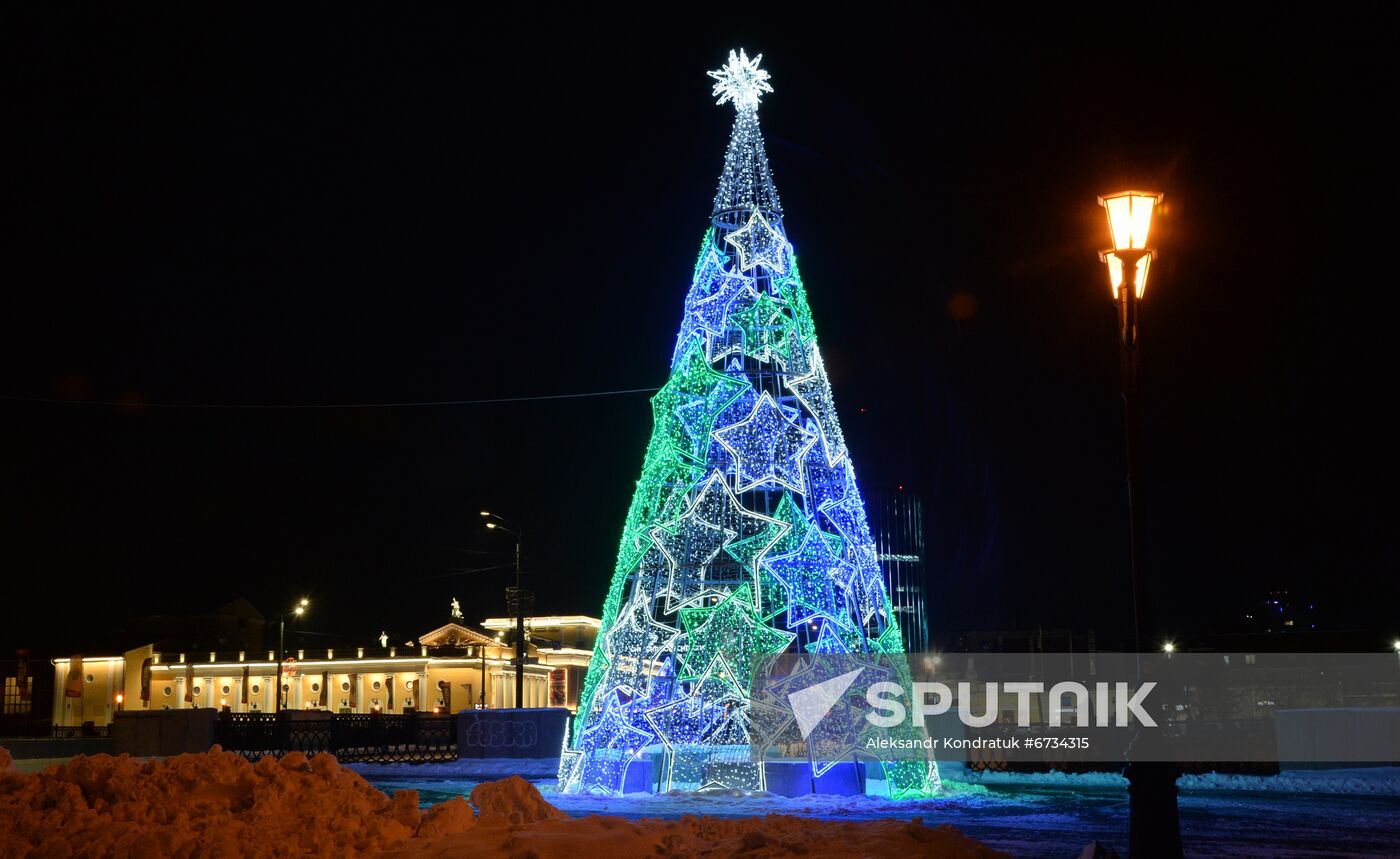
292,406
510,565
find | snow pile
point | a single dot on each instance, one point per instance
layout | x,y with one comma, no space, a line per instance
211,804
515,799
218,804
515,820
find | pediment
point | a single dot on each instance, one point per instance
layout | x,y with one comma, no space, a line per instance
454,634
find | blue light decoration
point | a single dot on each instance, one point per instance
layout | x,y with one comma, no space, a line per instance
746,536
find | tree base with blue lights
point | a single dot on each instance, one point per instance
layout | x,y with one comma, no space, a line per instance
746,537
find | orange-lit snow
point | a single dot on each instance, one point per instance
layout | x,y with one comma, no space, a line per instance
218,805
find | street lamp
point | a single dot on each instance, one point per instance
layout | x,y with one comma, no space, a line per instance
1129,224
296,611
516,599
1154,823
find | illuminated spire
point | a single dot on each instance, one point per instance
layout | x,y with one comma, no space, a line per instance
746,184
741,81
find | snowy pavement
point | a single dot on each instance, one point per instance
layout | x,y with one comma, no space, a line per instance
1303,814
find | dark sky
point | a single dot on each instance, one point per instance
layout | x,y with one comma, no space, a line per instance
357,208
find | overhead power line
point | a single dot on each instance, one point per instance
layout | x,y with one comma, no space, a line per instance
139,404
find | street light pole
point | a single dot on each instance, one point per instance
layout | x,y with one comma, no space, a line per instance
1154,822
298,610
517,600
1128,299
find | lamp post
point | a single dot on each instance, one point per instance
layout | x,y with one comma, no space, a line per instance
517,600
297,611
1154,824
1129,219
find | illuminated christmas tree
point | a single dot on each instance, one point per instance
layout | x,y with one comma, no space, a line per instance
747,536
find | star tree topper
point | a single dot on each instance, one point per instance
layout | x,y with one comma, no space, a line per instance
741,81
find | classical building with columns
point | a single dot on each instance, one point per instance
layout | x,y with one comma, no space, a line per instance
451,668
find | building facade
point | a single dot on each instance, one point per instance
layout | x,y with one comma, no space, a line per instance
451,668
897,524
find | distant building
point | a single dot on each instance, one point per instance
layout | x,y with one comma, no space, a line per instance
451,668
897,524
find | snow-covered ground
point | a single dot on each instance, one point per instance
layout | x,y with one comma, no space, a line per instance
1302,813
218,804
1357,781
469,769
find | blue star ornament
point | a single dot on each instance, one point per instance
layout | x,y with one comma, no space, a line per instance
811,575
768,446
711,313
615,742
759,243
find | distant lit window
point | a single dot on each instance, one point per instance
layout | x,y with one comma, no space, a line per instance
15,704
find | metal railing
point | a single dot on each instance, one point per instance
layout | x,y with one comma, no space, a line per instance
384,738
87,729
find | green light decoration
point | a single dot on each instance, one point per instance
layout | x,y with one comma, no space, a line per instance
746,537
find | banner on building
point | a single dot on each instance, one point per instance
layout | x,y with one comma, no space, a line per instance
146,680
244,690
325,687
354,692
389,692
22,674
189,682
558,688
73,683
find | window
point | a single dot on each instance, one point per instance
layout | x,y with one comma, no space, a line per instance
14,703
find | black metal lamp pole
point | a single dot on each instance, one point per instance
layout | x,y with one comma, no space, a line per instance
518,601
298,610
1154,823
1127,337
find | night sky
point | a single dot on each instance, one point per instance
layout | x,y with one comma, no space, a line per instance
353,209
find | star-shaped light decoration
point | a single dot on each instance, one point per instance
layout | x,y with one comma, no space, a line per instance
686,407
760,243
750,535
732,628
767,329
711,313
636,639
690,543
614,730
741,81
690,718
570,768
814,392
768,446
811,574
829,641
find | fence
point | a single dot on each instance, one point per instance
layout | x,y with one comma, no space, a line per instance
384,738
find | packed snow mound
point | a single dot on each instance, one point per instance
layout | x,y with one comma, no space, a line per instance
217,804
211,804
514,798
759,837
